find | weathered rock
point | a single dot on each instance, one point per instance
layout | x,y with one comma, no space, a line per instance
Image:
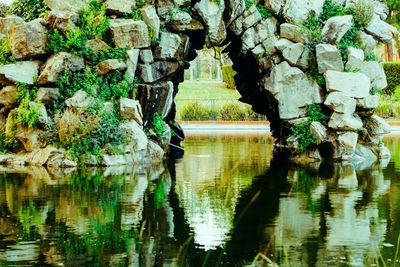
131,110
384,152
294,33
336,27
159,70
119,7
381,30
376,126
43,120
8,22
66,5
129,33
297,11
293,89
8,97
28,40
341,103
172,46
39,157
183,22
159,95
346,146
80,100
212,14
61,20
376,73
249,18
369,102
150,17
258,34
275,6
146,56
345,122
233,10
293,53
110,65
57,64
97,45
355,59
363,157
282,44
355,85
131,63
328,58
22,72
136,138
319,132
155,152
117,160
47,96
30,138
368,42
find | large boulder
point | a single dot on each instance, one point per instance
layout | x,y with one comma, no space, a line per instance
129,33
155,98
376,73
355,59
381,30
47,96
9,22
22,72
66,5
61,20
136,138
319,132
131,63
345,122
212,14
172,46
30,138
336,27
346,146
97,45
111,65
28,40
80,100
119,7
159,70
57,64
297,11
328,58
356,85
341,103
258,34
150,17
131,110
294,33
293,90
8,97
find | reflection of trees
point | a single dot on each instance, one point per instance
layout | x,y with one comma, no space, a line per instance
210,180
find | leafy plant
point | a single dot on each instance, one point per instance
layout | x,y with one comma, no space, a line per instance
362,11
350,39
331,9
316,76
5,52
136,14
248,3
27,113
7,143
313,28
315,113
371,57
392,70
304,136
93,20
28,9
158,124
264,12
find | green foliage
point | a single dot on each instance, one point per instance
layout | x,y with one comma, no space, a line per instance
7,143
392,70
304,136
396,94
264,12
136,14
227,75
93,20
371,57
158,124
330,9
27,113
350,39
315,113
313,28
385,108
197,111
248,3
28,9
5,52
314,74
362,11
91,142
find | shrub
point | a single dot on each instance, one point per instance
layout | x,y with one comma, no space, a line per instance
227,75
158,124
396,108
197,111
330,9
5,52
28,9
350,39
7,143
303,133
396,94
392,70
385,108
315,113
313,27
93,20
362,11
232,112
136,14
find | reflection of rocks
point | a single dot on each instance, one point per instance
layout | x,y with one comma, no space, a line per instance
354,228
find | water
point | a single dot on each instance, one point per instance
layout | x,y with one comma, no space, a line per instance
224,204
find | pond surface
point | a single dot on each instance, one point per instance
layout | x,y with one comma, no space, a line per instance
224,204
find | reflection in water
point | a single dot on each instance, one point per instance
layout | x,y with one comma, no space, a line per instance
224,204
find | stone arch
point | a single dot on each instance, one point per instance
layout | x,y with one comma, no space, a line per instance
291,66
